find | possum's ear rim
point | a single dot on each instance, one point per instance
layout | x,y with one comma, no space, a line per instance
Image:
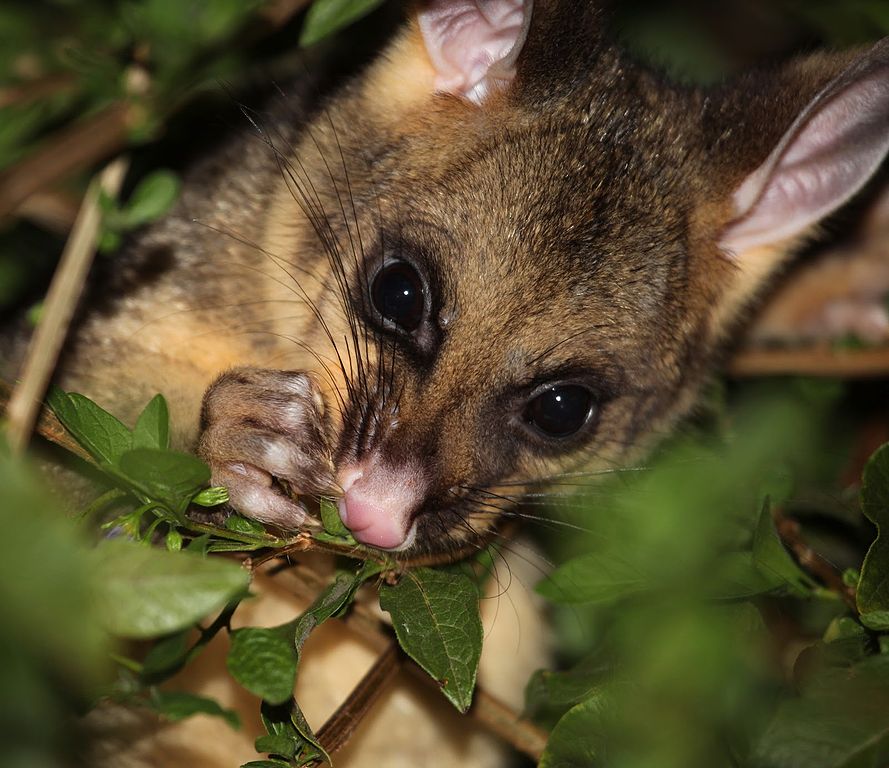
829,153
473,45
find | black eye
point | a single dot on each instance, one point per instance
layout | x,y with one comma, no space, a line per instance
397,294
560,411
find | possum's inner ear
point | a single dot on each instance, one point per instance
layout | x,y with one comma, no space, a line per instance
828,155
473,44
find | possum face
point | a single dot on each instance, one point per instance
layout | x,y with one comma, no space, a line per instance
533,267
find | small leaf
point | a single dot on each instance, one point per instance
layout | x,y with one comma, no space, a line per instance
178,705
436,619
302,726
103,436
873,588
277,744
168,476
173,540
266,764
211,497
152,429
143,592
578,739
773,560
240,524
264,661
166,653
331,520
557,690
598,577
736,576
327,16
151,199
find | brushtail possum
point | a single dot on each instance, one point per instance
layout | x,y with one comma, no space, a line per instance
502,251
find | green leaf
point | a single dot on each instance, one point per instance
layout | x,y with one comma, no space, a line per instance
166,653
152,429
436,619
557,690
331,520
211,497
773,560
327,16
578,739
839,721
277,744
266,764
178,705
103,436
173,540
151,199
168,476
873,588
736,576
143,592
264,661
240,524
302,726
598,577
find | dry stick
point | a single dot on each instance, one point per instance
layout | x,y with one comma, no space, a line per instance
791,534
811,361
73,149
34,90
61,300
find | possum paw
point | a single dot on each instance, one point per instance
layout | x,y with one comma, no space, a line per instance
264,433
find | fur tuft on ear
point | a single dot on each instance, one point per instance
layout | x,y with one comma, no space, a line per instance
828,154
473,44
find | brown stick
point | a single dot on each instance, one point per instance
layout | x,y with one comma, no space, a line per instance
72,149
61,300
813,563
811,361
25,93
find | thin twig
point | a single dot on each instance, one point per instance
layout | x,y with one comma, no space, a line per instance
821,360
61,300
72,149
813,563
34,90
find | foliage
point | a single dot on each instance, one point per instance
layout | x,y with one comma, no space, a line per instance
680,574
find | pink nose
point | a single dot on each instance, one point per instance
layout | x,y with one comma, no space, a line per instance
378,504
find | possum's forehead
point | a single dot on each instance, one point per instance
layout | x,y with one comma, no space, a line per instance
545,218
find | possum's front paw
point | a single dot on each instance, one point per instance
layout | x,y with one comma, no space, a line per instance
264,433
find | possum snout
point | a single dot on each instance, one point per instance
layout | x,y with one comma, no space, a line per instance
379,503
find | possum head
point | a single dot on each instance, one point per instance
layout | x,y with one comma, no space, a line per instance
539,247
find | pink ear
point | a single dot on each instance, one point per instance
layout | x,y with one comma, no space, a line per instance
474,44
828,155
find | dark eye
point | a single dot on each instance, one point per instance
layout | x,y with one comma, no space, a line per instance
397,294
560,411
